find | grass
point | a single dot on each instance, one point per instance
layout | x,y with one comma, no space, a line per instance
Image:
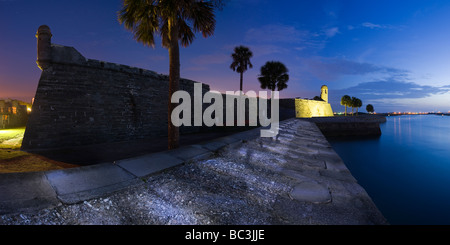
11,138
13,160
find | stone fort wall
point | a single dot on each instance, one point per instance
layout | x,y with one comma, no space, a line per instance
80,102
312,108
305,108
83,101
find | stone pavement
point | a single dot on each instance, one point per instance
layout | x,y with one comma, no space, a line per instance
300,158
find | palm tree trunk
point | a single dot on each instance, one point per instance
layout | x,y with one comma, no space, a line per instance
242,79
174,78
345,110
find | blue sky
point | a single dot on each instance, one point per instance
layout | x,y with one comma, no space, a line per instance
392,54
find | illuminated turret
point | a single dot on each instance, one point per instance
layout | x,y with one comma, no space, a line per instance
324,93
44,47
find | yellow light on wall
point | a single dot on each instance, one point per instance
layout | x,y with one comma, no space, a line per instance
312,108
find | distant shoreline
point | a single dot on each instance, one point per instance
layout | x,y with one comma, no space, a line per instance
413,114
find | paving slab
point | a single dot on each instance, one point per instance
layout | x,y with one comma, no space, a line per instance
100,191
25,192
334,162
149,164
219,143
296,175
310,191
247,135
192,152
78,184
214,145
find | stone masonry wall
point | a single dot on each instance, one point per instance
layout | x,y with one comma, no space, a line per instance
312,108
81,102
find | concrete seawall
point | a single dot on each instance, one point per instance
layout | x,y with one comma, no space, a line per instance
362,125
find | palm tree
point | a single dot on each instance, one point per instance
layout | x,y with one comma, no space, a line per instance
357,104
352,103
241,61
274,75
369,108
176,22
346,101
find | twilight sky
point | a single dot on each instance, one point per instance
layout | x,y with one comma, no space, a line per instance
393,54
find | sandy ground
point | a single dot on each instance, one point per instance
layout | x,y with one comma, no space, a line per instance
26,162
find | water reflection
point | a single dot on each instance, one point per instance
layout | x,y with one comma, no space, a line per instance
407,170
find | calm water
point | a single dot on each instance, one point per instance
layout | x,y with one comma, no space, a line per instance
407,170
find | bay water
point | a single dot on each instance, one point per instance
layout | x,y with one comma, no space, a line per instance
406,171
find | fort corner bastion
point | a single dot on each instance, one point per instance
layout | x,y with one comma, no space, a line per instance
319,111
305,108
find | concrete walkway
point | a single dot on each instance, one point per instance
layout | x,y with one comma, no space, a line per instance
316,173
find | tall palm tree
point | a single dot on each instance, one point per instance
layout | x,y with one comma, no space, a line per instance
357,104
346,101
175,21
241,61
274,75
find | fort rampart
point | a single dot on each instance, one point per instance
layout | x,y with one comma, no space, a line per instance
82,101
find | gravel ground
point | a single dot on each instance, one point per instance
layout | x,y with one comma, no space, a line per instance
242,185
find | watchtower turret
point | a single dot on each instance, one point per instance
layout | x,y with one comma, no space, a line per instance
324,93
44,47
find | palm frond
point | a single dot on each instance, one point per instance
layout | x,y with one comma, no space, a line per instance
141,18
274,75
185,34
241,59
145,18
